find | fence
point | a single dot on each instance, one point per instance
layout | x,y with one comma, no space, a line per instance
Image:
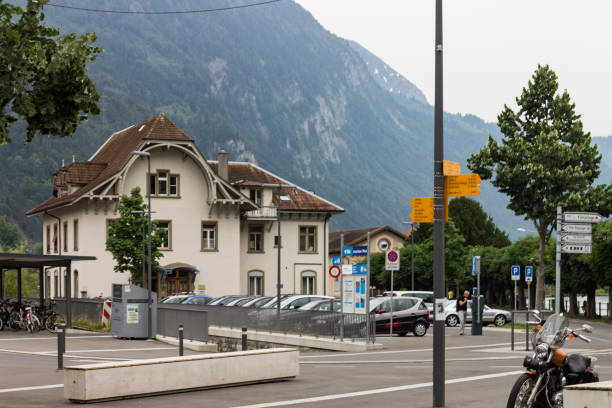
82,308
192,317
302,322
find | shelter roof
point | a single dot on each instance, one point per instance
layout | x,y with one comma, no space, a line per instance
12,261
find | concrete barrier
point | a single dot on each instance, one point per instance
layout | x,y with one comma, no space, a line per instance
591,395
129,379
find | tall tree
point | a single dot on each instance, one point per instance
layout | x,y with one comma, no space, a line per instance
43,74
476,226
125,237
545,159
10,236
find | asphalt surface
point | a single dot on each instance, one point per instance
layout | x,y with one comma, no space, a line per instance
480,369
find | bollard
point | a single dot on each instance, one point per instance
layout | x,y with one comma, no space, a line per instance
61,345
180,338
244,339
512,332
527,331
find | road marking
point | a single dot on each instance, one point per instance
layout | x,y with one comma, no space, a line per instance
36,387
333,366
404,351
50,354
55,338
375,391
112,350
410,361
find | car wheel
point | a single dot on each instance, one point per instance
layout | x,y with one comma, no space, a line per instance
500,320
420,329
452,320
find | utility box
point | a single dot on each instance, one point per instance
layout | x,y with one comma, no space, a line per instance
130,314
477,303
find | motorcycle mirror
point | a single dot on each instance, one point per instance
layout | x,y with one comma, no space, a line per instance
587,328
536,312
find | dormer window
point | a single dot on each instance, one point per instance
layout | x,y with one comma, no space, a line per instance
255,195
164,184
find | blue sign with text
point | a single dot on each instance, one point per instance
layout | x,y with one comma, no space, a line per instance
355,251
360,269
336,260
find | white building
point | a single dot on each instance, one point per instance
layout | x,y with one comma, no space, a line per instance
220,217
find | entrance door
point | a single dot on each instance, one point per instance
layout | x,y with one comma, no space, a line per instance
178,282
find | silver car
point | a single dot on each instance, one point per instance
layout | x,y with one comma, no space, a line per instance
489,316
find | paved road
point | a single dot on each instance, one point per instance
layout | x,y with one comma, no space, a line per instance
481,371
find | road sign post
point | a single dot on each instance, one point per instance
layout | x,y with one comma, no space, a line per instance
392,263
341,290
515,272
367,305
528,280
476,271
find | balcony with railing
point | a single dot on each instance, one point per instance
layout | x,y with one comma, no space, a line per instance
263,213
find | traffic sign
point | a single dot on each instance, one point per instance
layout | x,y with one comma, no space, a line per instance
582,217
515,271
577,238
423,209
336,260
355,251
392,260
580,228
360,269
576,249
528,274
450,168
462,185
334,271
475,265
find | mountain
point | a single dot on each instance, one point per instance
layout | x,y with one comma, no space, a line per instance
268,84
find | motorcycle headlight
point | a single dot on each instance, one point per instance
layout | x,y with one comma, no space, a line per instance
541,351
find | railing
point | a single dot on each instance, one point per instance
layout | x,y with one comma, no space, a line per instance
263,212
601,309
305,322
192,317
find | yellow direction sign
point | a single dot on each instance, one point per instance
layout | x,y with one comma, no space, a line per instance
451,168
462,185
423,209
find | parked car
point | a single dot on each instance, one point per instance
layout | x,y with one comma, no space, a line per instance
175,299
257,301
410,314
198,300
224,300
489,316
239,301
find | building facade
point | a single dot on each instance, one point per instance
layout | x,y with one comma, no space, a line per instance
220,217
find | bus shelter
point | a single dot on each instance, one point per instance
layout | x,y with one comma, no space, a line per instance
9,261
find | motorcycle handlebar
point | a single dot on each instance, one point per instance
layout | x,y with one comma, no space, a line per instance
581,337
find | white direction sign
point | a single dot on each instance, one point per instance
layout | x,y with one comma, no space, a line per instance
579,228
577,238
576,249
392,260
581,217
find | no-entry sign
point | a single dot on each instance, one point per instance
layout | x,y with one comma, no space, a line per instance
334,271
392,260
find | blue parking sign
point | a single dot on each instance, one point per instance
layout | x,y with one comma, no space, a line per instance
515,271
529,274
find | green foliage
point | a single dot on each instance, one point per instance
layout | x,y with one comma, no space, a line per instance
44,77
544,160
125,237
10,236
476,226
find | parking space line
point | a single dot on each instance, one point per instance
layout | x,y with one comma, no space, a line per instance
36,387
51,354
55,338
334,366
411,361
375,391
113,350
404,351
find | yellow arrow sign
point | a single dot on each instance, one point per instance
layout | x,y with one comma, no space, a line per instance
423,209
451,168
462,185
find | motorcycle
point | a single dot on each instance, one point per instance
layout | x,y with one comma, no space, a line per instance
549,369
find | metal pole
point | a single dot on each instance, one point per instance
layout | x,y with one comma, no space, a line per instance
515,296
341,289
391,306
61,345
478,285
180,338
144,261
412,256
558,261
149,300
278,271
367,305
439,203
67,286
244,339
19,285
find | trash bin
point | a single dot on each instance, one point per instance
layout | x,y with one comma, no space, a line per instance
477,303
130,314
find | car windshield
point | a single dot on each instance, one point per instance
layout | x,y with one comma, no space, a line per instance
553,331
177,299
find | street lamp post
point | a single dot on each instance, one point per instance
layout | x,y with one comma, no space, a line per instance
278,221
149,284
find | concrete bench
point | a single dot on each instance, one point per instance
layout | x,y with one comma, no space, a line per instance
592,395
129,379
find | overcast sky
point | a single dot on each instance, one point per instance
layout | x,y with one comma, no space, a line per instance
491,48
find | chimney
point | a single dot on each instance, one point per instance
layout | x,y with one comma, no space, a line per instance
223,169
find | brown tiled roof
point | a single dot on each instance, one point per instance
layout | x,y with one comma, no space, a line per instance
115,153
82,172
353,237
247,174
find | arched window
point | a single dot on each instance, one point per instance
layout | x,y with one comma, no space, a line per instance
309,283
256,279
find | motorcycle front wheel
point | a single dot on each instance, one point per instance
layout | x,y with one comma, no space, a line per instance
521,391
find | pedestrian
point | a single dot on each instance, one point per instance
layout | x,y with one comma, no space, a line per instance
462,303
